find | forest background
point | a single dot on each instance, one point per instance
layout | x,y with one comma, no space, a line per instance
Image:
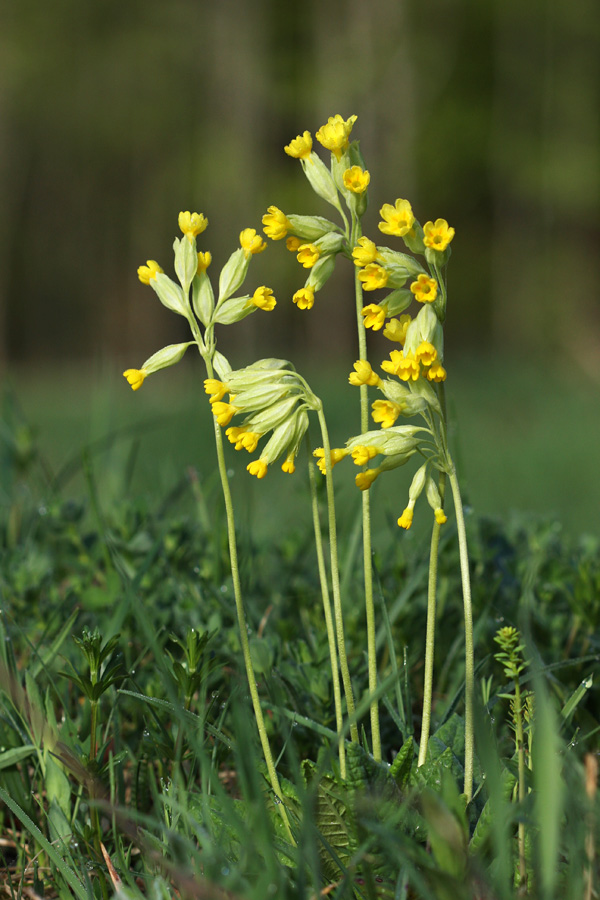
114,116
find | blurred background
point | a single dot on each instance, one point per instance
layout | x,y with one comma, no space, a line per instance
114,116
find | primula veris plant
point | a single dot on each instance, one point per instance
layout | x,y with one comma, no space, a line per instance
415,369
264,407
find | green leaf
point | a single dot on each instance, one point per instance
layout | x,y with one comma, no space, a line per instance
16,754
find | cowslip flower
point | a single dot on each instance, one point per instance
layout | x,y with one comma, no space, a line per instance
374,316
363,374
395,329
362,455
436,372
149,271
288,466
364,480
192,224
440,516
425,289
356,179
223,412
293,242
405,367
365,252
336,456
334,135
135,377
204,261
300,147
398,220
251,242
215,389
405,520
257,467
437,235
276,224
263,298
426,353
308,254
304,298
386,412
373,276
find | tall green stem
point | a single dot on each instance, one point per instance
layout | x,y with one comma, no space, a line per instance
367,547
243,627
335,577
430,632
520,742
468,614
335,674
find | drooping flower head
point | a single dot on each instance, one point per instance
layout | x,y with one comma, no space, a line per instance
395,329
204,261
373,277
304,298
356,179
385,412
425,289
149,271
308,254
334,135
276,224
300,147
373,316
263,298
398,220
135,377
365,252
363,374
251,242
438,234
192,224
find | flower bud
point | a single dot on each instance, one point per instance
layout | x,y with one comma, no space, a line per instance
203,299
310,228
319,178
232,274
186,261
169,293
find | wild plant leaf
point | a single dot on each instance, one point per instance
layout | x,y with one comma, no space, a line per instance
402,764
15,755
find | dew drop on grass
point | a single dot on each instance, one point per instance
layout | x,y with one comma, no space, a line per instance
214,694
225,870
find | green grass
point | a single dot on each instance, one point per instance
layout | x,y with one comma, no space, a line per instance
120,538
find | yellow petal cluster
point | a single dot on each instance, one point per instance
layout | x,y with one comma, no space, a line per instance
135,377
425,289
300,147
334,135
263,298
149,271
365,252
304,298
251,242
438,234
398,220
373,277
356,179
276,224
192,224
308,254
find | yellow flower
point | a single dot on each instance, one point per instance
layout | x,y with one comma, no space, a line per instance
304,298
334,135
215,389
300,147
365,252
426,353
356,179
405,520
337,455
135,377
192,224
276,224
398,219
204,261
263,298
374,316
234,434
425,289
364,480
392,365
363,374
249,441
386,412
373,277
251,242
223,412
288,465
149,271
408,368
308,254
361,455
257,467
436,372
395,329
293,242
440,516
437,235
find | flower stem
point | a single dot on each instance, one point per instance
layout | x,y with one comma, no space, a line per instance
335,674
468,613
520,742
335,577
430,632
243,628
367,547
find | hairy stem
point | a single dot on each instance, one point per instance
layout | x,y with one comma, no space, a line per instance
335,578
367,547
468,614
335,674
